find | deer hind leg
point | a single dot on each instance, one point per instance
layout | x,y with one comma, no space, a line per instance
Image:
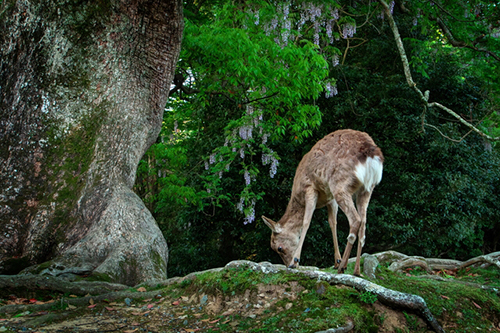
333,208
344,200
311,197
362,200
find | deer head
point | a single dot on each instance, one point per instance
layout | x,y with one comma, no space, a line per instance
283,241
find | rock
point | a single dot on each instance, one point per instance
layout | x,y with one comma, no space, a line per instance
370,266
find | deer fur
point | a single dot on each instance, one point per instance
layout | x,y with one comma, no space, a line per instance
343,164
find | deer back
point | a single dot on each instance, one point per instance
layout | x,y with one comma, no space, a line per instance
345,158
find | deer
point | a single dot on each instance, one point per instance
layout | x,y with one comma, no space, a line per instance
343,164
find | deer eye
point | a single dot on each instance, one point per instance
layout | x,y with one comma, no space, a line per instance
280,249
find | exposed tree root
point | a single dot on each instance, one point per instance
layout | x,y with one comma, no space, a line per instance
399,261
471,284
387,296
40,282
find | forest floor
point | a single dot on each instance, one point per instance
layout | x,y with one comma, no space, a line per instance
239,298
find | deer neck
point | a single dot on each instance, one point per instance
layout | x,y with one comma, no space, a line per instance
294,216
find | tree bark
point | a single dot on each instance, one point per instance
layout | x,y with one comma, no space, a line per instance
83,86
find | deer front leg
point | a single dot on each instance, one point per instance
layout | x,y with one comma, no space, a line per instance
311,197
345,203
333,208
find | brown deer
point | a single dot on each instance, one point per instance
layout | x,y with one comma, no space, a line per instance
342,164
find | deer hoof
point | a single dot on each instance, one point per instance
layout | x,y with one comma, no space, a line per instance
291,266
297,260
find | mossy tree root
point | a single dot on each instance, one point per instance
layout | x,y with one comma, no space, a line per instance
392,298
399,261
53,283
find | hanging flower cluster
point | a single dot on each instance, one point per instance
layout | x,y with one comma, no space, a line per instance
348,30
241,139
331,90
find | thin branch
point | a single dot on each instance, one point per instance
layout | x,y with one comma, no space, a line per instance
424,96
448,13
456,43
445,136
258,99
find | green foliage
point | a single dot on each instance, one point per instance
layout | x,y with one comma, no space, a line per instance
367,297
205,178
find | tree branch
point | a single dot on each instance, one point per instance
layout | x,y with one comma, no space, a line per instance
423,96
456,43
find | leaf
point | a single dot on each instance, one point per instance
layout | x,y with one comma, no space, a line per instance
445,297
476,305
175,303
110,308
91,301
150,306
213,321
141,289
92,306
73,296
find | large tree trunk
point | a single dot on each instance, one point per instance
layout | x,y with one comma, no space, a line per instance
83,85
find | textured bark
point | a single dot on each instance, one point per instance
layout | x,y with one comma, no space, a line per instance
9,283
83,86
399,261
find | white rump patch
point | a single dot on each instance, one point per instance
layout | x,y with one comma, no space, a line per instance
370,172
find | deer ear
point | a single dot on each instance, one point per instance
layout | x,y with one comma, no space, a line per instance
275,227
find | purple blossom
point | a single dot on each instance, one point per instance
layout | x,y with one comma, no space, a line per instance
245,132
256,16
274,167
335,59
286,10
264,138
250,216
266,158
239,205
329,28
331,90
247,177
274,24
348,30
335,14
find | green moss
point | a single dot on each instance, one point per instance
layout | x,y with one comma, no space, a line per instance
467,305
318,306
